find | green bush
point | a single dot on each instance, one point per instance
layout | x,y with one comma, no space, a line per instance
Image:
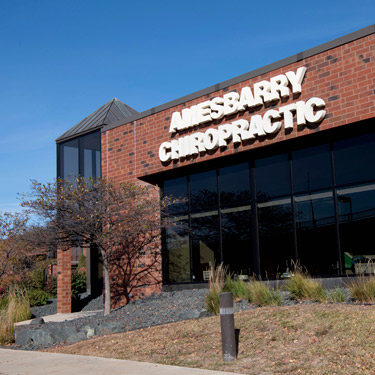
78,282
38,297
82,262
51,286
37,278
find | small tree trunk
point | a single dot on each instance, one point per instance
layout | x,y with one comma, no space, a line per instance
107,286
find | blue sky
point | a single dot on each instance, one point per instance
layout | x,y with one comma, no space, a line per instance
61,60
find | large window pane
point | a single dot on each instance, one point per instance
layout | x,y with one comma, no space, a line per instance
90,145
357,223
316,233
355,159
272,177
69,160
176,189
234,185
275,237
178,253
236,240
312,168
205,242
203,191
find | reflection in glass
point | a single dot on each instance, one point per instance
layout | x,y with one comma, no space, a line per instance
355,159
275,237
90,145
203,191
234,185
236,240
272,176
312,168
357,223
316,236
69,161
205,243
178,253
177,189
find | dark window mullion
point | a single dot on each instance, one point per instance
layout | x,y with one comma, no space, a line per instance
80,158
220,221
254,220
336,208
190,234
295,243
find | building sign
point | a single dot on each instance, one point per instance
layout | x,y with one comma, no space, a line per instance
262,94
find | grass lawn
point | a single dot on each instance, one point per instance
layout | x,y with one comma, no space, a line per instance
301,339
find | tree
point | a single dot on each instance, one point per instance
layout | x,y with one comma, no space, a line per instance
122,221
15,254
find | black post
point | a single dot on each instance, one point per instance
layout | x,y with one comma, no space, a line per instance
228,337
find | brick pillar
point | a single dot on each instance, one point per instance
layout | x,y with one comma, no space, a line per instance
64,281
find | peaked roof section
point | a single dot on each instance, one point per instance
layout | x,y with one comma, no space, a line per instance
111,112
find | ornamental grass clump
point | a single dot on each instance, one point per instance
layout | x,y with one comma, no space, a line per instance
237,287
362,289
259,293
337,295
303,287
17,309
218,275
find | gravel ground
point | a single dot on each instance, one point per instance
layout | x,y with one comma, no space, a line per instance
85,304
164,308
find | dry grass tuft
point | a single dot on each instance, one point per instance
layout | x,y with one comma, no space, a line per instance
16,310
362,289
218,275
303,287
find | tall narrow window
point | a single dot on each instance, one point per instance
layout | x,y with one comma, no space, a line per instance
234,185
177,254
204,223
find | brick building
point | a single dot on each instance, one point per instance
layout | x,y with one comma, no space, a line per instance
276,165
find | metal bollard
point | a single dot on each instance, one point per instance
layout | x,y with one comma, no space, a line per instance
228,337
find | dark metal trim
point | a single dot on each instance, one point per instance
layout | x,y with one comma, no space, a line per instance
254,73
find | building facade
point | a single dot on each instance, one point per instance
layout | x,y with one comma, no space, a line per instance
275,167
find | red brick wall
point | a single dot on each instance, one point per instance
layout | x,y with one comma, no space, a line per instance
344,77
64,281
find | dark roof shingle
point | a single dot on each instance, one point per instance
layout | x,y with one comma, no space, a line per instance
111,112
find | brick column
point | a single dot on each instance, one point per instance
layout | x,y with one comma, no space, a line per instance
64,281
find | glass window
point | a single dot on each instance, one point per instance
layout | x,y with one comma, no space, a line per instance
80,157
236,240
355,159
205,243
176,189
90,144
69,160
275,237
178,253
316,233
203,191
312,168
357,222
234,185
272,177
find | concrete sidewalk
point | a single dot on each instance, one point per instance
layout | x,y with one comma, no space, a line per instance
20,362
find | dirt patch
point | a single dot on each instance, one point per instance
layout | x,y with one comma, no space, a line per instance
311,339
